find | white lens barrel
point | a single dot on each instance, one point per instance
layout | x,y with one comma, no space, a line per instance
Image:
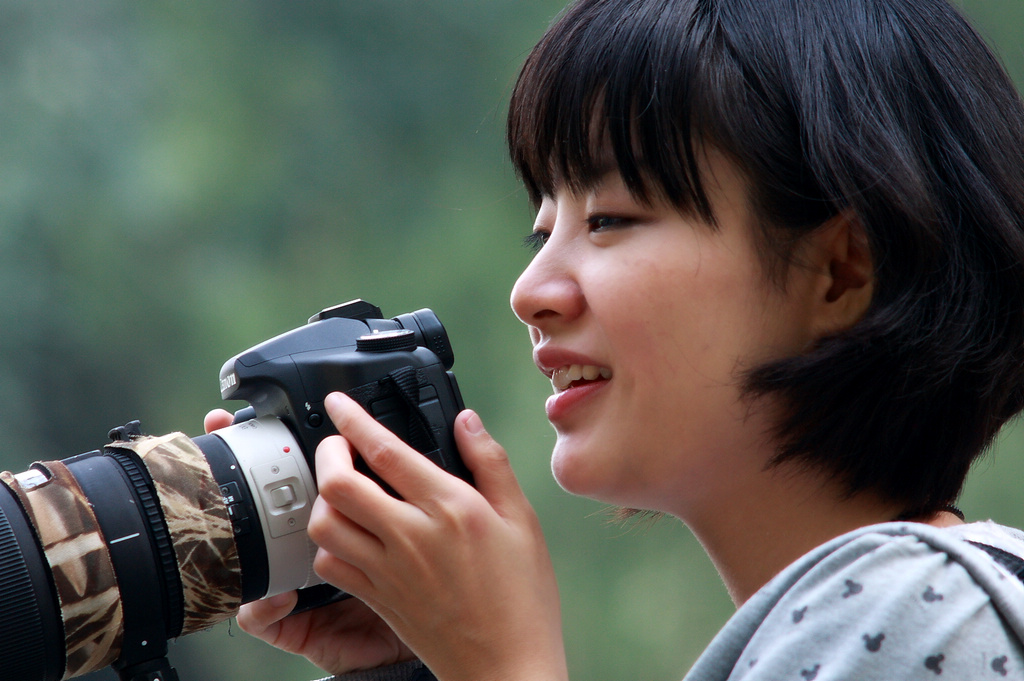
283,492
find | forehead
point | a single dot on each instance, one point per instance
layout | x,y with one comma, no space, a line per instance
718,177
592,169
611,85
607,157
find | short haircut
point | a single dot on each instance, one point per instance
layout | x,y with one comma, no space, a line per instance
893,111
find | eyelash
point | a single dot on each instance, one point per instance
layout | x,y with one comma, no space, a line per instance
535,241
597,223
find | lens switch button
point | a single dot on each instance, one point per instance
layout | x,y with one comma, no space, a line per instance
283,496
285,499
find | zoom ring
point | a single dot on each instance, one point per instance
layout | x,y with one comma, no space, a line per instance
141,484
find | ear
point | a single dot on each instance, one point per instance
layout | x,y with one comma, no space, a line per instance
845,271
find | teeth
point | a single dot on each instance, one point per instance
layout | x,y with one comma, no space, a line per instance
563,377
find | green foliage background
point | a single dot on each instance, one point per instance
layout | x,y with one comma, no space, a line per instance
179,181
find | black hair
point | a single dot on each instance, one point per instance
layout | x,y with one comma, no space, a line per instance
893,112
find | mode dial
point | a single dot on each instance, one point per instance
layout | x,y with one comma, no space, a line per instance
387,341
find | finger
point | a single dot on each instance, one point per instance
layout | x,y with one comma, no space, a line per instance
217,419
410,473
342,574
262,619
357,499
488,461
343,539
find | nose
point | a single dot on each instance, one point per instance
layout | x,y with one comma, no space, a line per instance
548,291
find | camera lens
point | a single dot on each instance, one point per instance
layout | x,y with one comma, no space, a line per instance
107,555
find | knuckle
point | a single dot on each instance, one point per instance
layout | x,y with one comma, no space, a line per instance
381,456
454,515
336,487
322,564
490,453
497,454
462,516
320,525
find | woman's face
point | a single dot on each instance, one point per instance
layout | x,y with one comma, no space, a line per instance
645,320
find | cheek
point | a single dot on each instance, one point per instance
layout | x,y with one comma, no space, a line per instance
685,336
689,319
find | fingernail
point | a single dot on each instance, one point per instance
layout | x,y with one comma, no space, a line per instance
332,401
474,425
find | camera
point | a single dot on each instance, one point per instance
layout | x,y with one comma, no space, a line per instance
107,555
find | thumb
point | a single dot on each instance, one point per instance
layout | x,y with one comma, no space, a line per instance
217,419
488,462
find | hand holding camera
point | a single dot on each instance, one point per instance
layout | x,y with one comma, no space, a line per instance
338,636
461,575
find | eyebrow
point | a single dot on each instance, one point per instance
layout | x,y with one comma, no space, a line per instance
605,160
594,175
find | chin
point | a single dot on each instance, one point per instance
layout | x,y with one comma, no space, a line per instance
578,474
569,471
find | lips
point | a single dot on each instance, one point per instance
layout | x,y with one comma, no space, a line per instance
576,379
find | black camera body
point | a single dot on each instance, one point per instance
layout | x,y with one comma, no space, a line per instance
164,536
351,348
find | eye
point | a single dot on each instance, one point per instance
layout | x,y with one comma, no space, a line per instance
536,240
603,223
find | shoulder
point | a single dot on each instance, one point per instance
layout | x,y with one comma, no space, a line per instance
899,600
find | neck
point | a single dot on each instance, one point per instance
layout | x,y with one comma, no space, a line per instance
775,518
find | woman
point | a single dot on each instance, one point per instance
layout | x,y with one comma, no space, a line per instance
779,292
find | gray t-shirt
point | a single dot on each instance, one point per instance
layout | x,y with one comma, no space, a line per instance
894,601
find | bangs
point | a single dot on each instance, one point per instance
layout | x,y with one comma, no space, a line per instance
614,86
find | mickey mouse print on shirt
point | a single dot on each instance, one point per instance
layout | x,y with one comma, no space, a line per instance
876,609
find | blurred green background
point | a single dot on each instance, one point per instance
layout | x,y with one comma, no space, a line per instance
179,181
